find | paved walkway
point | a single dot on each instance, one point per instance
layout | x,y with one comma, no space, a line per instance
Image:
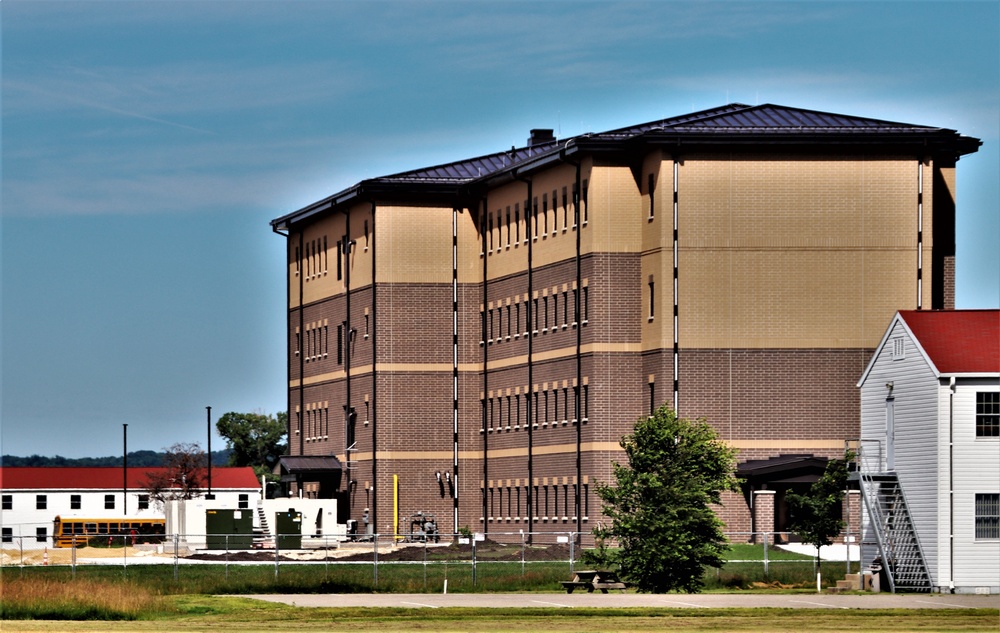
626,600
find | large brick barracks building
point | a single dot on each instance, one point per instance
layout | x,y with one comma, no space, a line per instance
473,339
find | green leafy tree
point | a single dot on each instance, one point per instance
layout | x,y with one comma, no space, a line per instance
660,506
816,515
254,439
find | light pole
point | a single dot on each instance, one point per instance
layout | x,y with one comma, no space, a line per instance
208,411
124,469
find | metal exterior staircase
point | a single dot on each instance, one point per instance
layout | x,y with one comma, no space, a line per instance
890,523
262,537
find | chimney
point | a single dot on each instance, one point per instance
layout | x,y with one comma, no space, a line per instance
540,136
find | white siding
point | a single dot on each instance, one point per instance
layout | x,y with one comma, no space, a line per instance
915,389
23,518
976,470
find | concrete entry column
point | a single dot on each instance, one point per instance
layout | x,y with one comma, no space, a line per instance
763,515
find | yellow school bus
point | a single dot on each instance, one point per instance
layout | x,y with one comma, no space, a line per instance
67,531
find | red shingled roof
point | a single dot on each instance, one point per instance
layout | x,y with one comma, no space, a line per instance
958,341
109,478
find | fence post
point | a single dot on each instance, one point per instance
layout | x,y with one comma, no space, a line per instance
572,542
375,558
277,553
227,557
176,554
473,560
73,558
767,540
522,553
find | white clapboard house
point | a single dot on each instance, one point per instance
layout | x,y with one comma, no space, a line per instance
929,460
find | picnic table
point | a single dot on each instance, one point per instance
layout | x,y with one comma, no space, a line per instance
594,579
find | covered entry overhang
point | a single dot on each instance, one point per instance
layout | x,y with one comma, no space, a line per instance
781,470
300,469
765,483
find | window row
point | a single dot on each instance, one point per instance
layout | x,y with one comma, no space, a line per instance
75,502
316,259
314,422
317,340
548,313
554,406
553,502
550,214
41,535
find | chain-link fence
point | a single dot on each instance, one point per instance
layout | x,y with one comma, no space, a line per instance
442,562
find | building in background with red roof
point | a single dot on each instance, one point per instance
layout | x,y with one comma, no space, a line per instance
930,450
31,497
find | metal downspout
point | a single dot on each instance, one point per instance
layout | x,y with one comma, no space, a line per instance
373,502
486,370
529,218
349,345
454,366
951,485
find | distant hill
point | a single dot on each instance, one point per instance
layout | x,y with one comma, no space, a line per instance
135,459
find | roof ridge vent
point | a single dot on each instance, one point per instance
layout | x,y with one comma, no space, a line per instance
540,136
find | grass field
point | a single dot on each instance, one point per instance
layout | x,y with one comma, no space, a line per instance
207,613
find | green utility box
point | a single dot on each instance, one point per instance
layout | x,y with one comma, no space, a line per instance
229,529
288,527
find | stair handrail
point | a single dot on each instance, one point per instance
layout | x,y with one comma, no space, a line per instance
867,482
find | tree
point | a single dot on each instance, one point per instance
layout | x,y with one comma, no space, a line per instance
660,505
254,439
816,515
182,479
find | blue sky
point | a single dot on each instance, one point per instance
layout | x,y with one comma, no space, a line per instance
146,145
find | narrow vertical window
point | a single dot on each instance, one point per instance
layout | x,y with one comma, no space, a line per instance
565,208
340,344
340,259
652,398
517,411
326,257
545,318
366,235
298,261
545,213
517,223
508,226
555,210
508,322
534,215
586,402
586,304
650,186
652,298
584,201
490,244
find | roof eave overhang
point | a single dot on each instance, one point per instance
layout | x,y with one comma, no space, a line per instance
411,193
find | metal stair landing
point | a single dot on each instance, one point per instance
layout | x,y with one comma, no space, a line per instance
895,536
